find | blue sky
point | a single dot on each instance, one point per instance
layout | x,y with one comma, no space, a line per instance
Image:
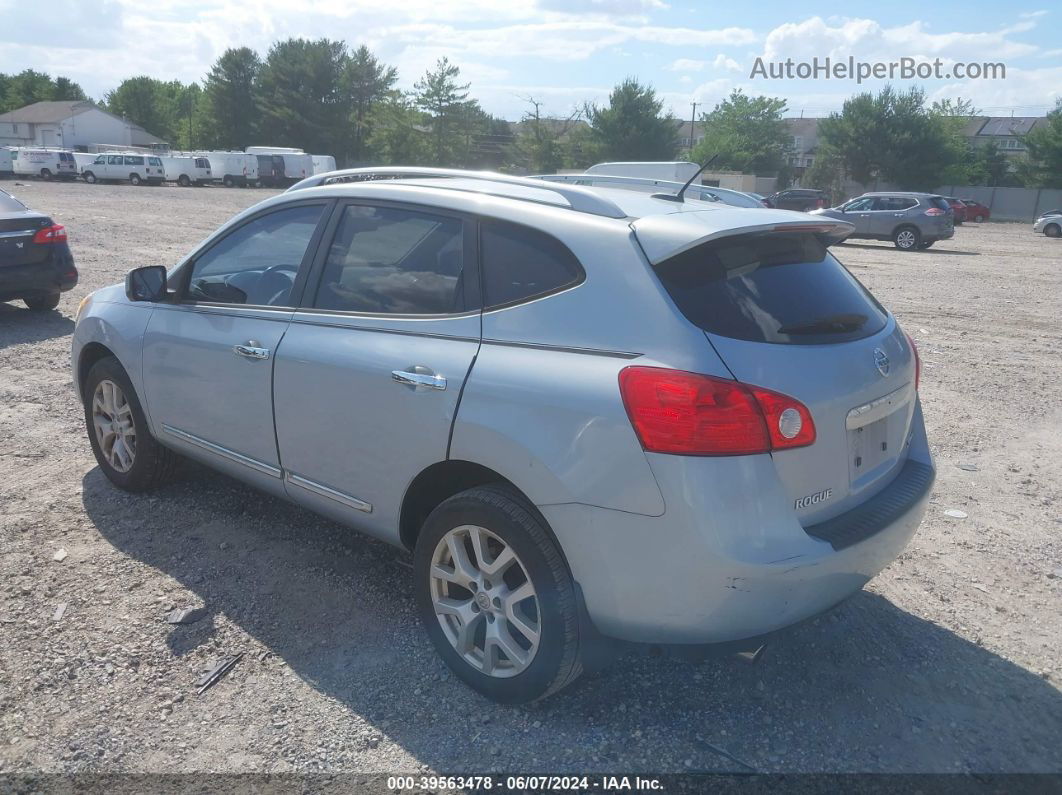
563,52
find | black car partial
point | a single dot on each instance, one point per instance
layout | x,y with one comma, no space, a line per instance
35,261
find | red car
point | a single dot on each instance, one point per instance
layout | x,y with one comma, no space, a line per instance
958,209
975,211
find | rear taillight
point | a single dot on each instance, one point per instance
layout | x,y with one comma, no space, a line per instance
51,234
765,203
917,358
674,411
934,211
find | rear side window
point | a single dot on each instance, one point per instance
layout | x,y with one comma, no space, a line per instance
521,263
394,261
774,288
154,161
134,161
897,203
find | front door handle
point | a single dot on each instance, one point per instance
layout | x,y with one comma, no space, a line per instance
251,350
419,378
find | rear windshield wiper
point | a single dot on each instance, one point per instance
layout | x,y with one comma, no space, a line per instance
835,324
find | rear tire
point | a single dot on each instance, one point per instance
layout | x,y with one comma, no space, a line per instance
1053,230
134,179
979,218
228,182
42,303
184,181
907,238
46,174
149,464
541,628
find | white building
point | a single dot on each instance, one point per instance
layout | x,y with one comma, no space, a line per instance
71,125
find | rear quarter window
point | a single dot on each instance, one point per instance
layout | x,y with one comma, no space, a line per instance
776,288
521,263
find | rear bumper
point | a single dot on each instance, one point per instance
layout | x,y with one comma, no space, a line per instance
54,275
728,560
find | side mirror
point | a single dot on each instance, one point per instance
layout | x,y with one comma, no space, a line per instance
146,284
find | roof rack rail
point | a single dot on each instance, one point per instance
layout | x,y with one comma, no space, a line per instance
581,199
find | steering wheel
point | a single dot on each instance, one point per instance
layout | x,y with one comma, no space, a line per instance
280,269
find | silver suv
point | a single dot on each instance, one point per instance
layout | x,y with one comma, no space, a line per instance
911,221
593,415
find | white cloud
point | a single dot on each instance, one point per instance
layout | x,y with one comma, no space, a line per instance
726,62
868,40
686,65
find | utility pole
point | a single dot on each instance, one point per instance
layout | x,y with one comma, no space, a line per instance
693,126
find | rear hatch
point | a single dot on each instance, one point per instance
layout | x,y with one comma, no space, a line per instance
941,213
17,228
783,313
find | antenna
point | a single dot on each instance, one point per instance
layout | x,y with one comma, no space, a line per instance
677,197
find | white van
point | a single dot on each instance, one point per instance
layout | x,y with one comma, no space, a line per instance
44,163
281,166
186,170
672,171
7,163
322,164
232,168
82,160
136,167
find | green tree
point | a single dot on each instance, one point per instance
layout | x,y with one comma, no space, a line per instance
1043,169
993,167
445,102
367,85
632,126
299,96
399,133
827,173
153,104
25,88
893,136
66,89
230,113
748,135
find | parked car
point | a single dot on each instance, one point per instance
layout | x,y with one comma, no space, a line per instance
280,167
7,164
976,212
958,209
44,163
590,413
134,167
186,170
35,261
801,199
233,169
910,220
1050,224
670,171
734,198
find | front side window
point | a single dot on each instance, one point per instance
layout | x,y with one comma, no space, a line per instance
520,263
99,161
258,262
859,205
394,261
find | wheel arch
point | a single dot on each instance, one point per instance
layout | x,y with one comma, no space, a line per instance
439,482
90,354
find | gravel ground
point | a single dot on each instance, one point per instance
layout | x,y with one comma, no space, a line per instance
949,661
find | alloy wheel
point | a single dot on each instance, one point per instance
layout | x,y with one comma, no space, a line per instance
485,601
112,420
905,239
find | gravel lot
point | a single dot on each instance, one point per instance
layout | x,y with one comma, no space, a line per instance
951,660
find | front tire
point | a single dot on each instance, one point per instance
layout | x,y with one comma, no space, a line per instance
42,303
907,238
118,430
496,596
979,218
1053,230
90,178
184,181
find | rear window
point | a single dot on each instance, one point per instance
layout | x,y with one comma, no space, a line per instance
774,288
940,202
9,204
154,161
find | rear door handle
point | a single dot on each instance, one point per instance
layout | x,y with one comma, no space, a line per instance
251,350
423,379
